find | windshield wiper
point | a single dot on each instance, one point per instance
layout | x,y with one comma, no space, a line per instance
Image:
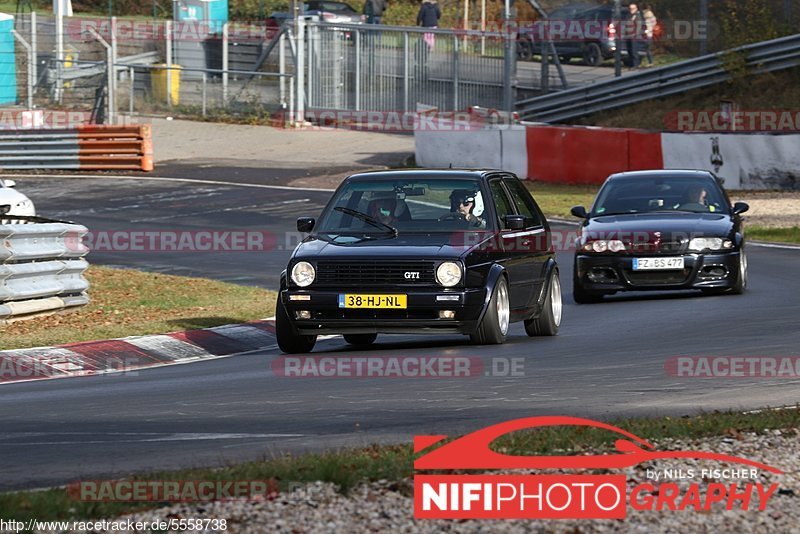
367,219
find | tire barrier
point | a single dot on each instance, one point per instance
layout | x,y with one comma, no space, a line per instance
86,147
42,267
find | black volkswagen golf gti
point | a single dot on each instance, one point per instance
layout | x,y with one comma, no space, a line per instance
422,251
659,230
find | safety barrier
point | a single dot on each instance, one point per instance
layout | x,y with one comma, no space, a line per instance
86,147
587,155
41,267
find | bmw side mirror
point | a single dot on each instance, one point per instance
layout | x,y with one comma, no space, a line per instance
9,183
579,211
514,222
305,224
740,207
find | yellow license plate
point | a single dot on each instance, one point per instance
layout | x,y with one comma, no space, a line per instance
373,301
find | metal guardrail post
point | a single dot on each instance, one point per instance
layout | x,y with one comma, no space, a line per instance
59,91
225,64
34,46
31,62
357,44
132,96
114,38
168,35
301,67
282,67
205,79
111,100
455,71
405,72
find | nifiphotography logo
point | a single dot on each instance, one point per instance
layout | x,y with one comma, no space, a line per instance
570,496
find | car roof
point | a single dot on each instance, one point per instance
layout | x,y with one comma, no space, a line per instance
662,173
424,173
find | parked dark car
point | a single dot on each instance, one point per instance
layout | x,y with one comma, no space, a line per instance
422,251
589,34
322,11
659,230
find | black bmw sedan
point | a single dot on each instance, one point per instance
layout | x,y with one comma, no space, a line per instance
659,230
421,251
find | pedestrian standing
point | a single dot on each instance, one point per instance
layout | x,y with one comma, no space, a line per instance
373,9
635,32
428,17
649,30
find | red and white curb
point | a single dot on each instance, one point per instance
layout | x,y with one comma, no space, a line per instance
133,353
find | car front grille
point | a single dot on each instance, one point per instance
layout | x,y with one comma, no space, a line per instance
371,274
653,278
665,247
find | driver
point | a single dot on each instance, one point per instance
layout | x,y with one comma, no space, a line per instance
462,202
383,209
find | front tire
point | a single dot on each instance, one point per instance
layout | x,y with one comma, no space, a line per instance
360,339
583,296
289,341
494,326
741,281
592,55
549,319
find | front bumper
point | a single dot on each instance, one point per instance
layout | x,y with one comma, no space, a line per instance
610,273
420,316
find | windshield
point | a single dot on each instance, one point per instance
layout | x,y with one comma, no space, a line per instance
660,194
411,206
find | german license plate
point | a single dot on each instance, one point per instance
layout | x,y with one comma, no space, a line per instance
373,301
657,264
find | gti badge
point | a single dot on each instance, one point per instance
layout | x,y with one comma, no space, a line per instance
411,275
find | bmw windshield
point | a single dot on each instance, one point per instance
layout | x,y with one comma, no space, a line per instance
661,195
378,206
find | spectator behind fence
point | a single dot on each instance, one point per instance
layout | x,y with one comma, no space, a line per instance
428,17
373,9
649,30
634,35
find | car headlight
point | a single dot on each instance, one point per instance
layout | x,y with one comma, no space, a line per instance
709,243
448,274
303,274
602,245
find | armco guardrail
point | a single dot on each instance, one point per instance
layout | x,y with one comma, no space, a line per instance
41,267
87,147
766,56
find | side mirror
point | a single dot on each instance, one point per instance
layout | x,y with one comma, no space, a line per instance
740,207
514,222
9,183
579,211
305,224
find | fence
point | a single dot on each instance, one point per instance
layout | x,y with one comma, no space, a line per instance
766,56
41,267
89,147
393,68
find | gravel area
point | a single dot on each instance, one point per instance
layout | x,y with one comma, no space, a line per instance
387,507
776,209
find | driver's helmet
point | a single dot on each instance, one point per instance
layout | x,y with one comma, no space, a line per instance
466,195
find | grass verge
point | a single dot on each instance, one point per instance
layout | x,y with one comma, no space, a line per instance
130,303
394,463
777,235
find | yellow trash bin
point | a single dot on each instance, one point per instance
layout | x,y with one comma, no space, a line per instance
158,79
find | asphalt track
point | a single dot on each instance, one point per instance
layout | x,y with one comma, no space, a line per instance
607,362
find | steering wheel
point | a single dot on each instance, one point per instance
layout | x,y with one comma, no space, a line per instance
451,217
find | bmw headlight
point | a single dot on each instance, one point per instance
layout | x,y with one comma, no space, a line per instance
602,245
303,274
448,274
709,243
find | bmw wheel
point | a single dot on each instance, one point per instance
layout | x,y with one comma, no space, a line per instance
289,341
741,281
549,319
494,326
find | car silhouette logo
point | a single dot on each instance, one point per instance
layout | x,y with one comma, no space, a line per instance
472,451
